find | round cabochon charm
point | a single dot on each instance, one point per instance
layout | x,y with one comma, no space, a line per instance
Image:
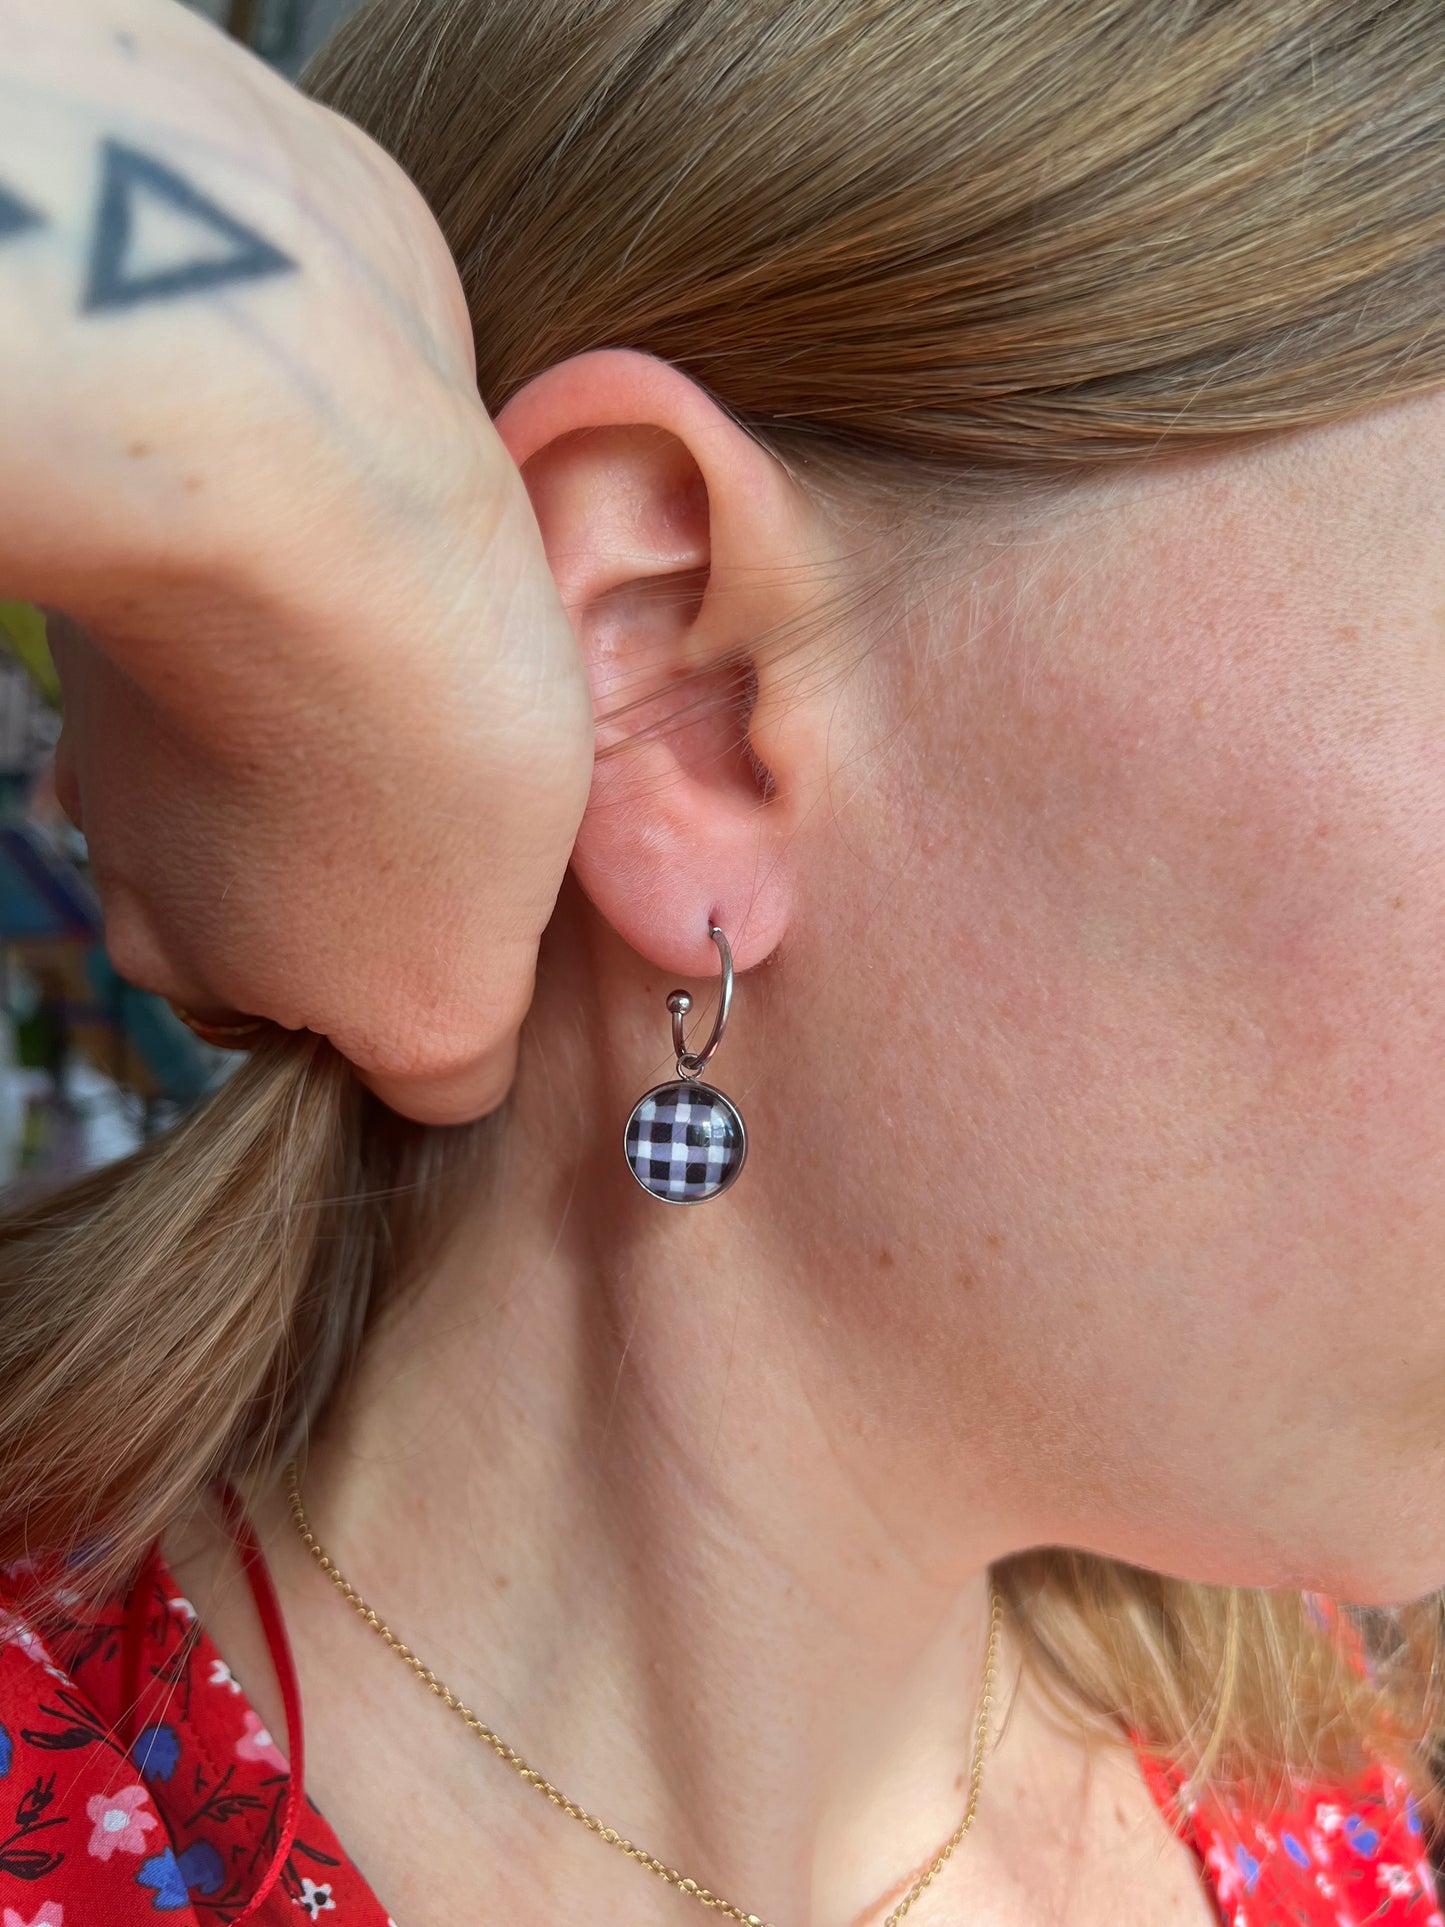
685,1142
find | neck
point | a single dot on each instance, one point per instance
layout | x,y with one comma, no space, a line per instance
635,1507
610,1517
696,1508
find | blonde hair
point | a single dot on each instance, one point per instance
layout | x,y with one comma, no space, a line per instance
931,252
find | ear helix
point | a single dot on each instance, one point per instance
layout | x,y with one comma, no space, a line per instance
685,1142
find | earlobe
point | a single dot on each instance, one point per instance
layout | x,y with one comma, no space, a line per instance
659,522
678,834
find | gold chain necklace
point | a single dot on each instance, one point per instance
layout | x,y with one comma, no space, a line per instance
589,1820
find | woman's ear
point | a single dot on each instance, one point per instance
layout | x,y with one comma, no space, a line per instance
674,540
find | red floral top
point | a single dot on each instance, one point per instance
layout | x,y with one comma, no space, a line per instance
135,1780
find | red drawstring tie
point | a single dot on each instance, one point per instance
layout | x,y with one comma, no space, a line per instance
253,1563
274,1627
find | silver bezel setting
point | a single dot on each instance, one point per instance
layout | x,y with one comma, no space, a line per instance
711,1092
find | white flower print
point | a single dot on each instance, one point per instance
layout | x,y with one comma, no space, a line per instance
314,1900
16,1631
1398,1882
221,1675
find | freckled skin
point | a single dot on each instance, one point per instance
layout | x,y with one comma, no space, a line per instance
1089,987
1160,938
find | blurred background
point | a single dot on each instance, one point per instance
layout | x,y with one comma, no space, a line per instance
285,32
89,1067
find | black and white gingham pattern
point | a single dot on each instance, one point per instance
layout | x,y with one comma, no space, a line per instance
684,1142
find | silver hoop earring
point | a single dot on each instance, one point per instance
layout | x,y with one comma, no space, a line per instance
685,1141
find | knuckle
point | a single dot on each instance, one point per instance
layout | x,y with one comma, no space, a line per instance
133,947
67,786
432,1045
413,1056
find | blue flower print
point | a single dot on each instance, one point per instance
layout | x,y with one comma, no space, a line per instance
1248,1866
1364,1839
7,1752
155,1752
1295,1851
199,1870
162,1873
89,1552
1412,1815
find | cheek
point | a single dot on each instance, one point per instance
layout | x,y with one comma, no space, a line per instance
1174,964
1256,1066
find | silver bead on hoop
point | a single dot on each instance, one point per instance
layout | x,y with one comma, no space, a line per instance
685,1142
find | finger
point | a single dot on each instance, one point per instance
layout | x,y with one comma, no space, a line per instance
141,957
224,1030
72,654
460,1065
455,1096
67,783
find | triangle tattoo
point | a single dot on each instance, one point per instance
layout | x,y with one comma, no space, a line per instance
15,216
130,180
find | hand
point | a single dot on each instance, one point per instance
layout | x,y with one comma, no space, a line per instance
327,730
